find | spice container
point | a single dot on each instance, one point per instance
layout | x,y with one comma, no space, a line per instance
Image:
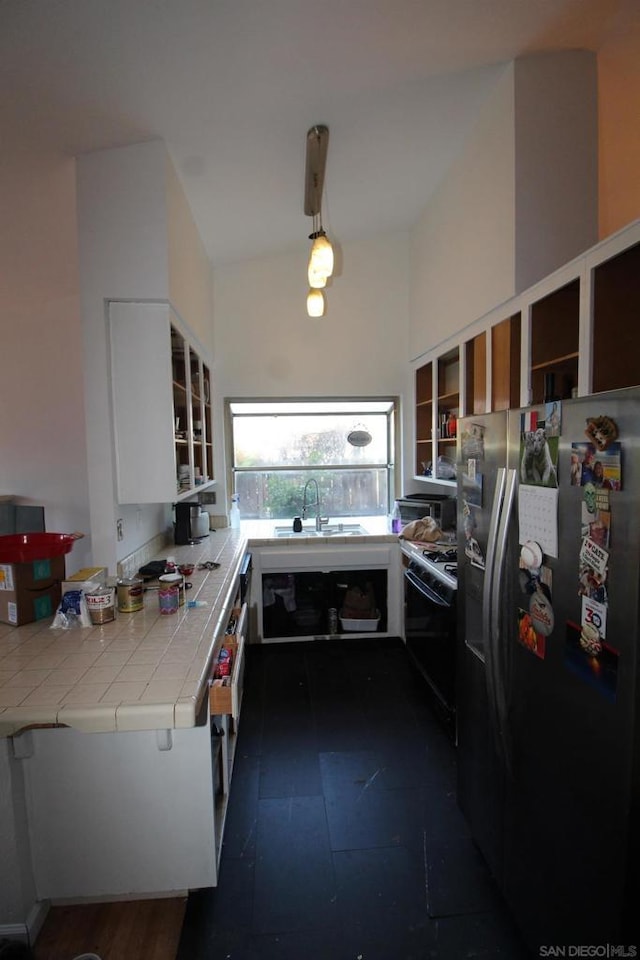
168,594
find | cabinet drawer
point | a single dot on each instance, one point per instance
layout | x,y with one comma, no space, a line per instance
225,696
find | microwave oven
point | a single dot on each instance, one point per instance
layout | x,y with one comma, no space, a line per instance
442,509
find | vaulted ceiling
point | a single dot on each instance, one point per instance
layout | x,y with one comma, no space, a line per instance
232,86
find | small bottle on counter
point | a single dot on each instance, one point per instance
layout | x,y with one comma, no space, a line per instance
396,519
234,515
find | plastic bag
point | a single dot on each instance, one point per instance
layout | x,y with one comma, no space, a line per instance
72,610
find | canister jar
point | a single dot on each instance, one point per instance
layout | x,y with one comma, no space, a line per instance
130,595
101,606
168,595
178,579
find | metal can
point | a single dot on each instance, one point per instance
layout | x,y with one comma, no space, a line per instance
130,595
168,598
101,606
178,580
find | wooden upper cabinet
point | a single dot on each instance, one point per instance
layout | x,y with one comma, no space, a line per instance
616,322
424,419
555,328
476,374
505,364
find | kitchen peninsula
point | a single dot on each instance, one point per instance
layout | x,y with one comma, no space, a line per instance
126,783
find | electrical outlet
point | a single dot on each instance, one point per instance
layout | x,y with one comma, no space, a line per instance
120,529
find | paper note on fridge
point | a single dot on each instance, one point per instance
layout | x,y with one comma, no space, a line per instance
593,555
538,517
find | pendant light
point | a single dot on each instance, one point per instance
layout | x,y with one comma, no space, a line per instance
321,259
315,303
317,280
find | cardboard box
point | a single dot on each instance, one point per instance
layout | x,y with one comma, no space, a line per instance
96,576
30,591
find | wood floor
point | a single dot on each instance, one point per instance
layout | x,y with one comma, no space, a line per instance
127,930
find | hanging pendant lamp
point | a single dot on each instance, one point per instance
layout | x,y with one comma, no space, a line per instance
315,303
317,280
321,254
321,259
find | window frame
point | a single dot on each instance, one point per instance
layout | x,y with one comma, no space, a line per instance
393,436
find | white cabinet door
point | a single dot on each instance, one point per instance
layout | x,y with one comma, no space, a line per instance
129,813
142,402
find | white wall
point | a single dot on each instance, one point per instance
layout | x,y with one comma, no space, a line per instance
42,428
462,249
519,201
556,161
136,242
267,346
190,274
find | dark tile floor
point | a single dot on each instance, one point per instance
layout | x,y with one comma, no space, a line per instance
343,837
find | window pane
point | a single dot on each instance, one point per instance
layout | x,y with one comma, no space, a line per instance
307,440
343,493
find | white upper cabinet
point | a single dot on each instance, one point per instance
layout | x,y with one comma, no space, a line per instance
161,411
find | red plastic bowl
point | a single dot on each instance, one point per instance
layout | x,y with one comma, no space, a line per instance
26,547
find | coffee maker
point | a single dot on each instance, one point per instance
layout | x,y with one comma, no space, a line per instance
191,524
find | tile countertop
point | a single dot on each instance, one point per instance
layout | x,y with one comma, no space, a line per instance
142,671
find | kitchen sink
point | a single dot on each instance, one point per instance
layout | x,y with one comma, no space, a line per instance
329,530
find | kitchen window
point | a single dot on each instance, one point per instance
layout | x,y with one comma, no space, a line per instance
276,446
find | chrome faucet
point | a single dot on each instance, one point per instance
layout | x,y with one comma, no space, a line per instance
316,503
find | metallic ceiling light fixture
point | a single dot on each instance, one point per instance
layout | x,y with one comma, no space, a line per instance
320,265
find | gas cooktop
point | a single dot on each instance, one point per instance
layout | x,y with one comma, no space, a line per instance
440,560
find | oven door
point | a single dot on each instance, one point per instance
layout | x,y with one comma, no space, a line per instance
430,637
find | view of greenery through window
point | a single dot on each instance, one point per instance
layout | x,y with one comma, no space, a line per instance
279,446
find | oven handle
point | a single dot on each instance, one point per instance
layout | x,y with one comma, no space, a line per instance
425,589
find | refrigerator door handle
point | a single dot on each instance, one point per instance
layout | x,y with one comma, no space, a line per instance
496,643
487,601
496,510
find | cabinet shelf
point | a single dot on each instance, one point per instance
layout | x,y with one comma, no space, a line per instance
556,361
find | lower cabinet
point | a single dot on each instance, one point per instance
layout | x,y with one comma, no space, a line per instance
128,813
310,591
307,603
133,813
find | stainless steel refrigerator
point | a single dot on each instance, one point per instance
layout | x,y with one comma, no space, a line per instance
548,698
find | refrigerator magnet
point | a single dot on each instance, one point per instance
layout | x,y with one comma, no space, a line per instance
594,619
601,431
530,638
541,612
531,555
553,418
593,555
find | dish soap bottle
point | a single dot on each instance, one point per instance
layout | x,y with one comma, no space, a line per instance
234,516
396,520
